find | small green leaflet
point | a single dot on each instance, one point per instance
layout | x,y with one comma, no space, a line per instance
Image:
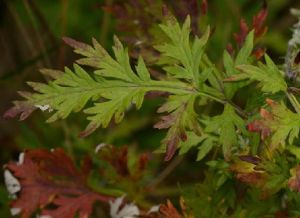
92,55
243,57
186,56
204,143
226,126
268,76
283,123
181,117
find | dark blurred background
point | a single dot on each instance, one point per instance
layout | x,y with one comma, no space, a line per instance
30,39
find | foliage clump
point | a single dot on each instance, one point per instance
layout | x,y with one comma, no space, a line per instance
249,143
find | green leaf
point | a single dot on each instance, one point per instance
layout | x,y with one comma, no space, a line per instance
283,123
114,87
181,118
192,140
93,55
226,126
70,92
204,142
268,76
243,57
245,52
295,150
278,171
186,56
205,147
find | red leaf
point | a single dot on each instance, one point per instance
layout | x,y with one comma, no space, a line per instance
294,181
69,206
275,120
258,21
92,55
175,133
180,118
259,53
143,161
189,7
21,107
88,130
250,159
172,144
259,127
258,26
204,7
118,158
135,20
51,182
281,214
169,211
253,178
77,45
241,36
230,49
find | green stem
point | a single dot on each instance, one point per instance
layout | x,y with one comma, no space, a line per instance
175,162
37,32
294,102
238,109
207,62
105,25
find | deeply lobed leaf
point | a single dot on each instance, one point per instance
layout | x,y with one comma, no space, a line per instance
51,178
226,125
268,76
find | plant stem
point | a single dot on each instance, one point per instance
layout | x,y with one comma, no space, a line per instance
176,161
207,62
238,109
37,32
105,25
294,102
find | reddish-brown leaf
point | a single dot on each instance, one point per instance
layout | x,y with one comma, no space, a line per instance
80,46
51,183
253,178
67,207
241,36
189,7
281,214
118,158
20,107
172,144
175,134
258,26
180,118
258,21
246,171
204,7
258,53
136,19
294,181
88,130
230,49
143,161
250,159
259,127
169,211
92,55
